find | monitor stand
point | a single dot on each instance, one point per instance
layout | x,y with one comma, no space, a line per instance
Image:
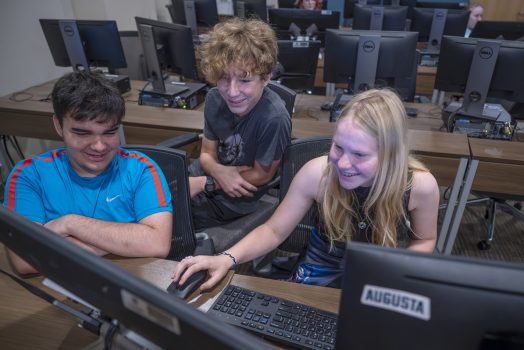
474,103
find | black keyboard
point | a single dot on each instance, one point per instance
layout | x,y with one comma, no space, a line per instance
277,319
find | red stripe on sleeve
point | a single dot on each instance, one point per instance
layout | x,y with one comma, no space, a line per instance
12,184
154,174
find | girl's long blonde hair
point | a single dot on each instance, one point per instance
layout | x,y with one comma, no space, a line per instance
381,114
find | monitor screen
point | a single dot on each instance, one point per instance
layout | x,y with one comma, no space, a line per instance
282,19
299,60
455,62
364,59
137,305
397,299
250,8
206,12
92,43
431,24
505,30
174,48
372,17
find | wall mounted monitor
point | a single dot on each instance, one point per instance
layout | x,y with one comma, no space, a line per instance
443,4
365,59
428,301
84,44
372,17
146,315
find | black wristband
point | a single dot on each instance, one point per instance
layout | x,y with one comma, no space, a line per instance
231,257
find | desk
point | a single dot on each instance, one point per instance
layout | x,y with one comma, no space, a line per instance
26,322
151,125
501,166
448,158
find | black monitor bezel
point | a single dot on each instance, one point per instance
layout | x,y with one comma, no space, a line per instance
188,69
454,66
116,292
253,9
394,17
462,292
335,41
509,30
422,18
100,51
206,12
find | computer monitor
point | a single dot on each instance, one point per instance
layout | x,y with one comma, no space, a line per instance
84,44
250,8
299,60
168,48
443,4
505,30
398,299
145,314
349,5
372,17
364,59
481,68
195,13
432,23
290,23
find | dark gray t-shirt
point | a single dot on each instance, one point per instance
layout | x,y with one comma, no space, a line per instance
262,135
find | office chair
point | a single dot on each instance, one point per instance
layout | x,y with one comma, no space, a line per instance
286,94
227,235
299,61
494,203
298,153
173,163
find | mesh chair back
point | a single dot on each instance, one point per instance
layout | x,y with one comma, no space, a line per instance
298,153
173,163
286,94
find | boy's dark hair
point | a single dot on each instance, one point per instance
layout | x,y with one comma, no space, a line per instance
87,96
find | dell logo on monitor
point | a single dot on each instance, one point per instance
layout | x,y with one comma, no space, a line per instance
368,46
68,30
486,52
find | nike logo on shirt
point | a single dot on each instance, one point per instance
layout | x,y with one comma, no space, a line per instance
110,199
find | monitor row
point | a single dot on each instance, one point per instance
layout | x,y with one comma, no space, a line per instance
362,59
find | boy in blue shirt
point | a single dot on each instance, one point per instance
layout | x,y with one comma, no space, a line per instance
95,194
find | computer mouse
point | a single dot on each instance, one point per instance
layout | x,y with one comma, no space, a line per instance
192,283
326,106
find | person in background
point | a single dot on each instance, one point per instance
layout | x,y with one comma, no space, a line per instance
104,198
309,4
368,189
246,125
476,11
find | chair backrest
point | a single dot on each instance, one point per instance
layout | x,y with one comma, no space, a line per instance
298,153
173,163
299,61
286,94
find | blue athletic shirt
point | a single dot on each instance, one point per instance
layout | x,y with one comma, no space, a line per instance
46,187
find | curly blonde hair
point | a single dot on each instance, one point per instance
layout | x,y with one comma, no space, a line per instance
381,114
251,44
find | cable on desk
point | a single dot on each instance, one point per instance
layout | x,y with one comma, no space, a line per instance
14,96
